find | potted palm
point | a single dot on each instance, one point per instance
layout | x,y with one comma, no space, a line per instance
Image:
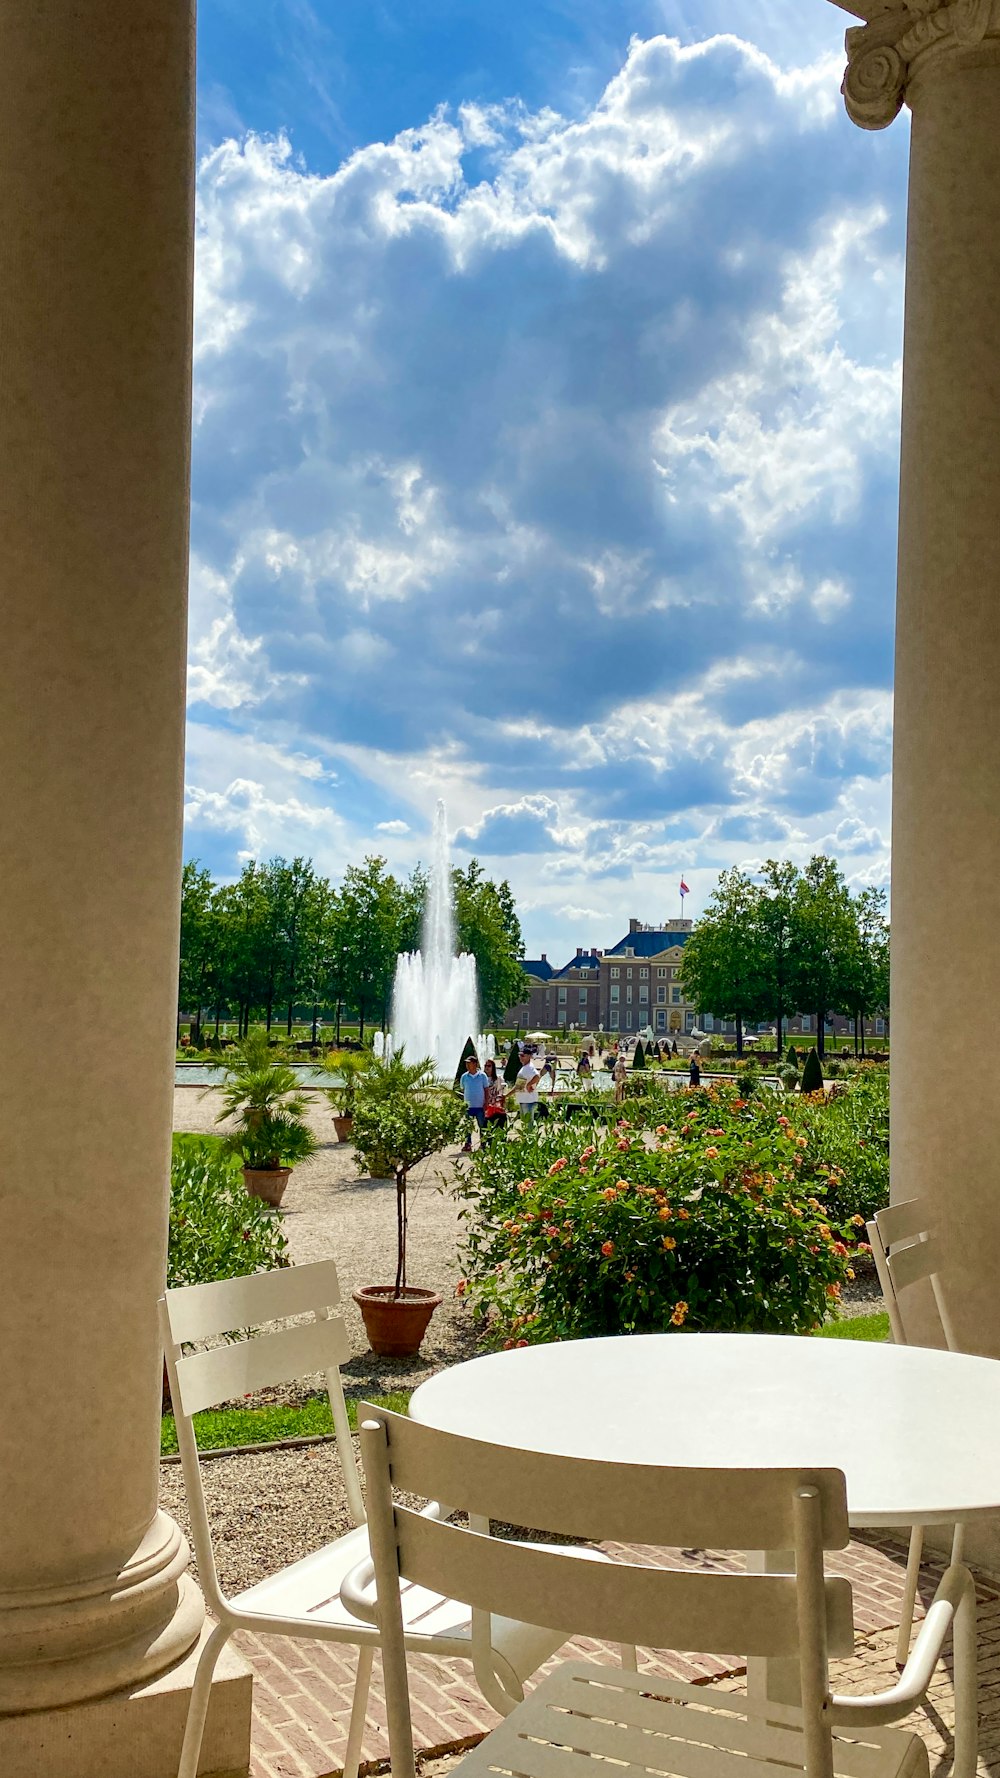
401,1117
270,1133
352,1066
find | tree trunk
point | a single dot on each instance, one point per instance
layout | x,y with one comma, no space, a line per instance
315,1022
218,1016
739,1035
820,1035
861,1022
400,1229
291,1009
338,1020
269,1014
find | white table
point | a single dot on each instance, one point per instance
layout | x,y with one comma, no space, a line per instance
916,1432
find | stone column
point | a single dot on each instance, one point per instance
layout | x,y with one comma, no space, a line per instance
96,196
944,61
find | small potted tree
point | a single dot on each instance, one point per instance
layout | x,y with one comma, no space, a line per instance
351,1065
401,1117
270,1133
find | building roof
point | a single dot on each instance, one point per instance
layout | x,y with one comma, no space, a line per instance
539,967
648,942
582,960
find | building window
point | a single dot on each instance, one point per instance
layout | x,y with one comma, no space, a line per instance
880,1027
675,996
644,975
643,991
628,1017
806,1023
562,1015
688,1021
708,1022
562,997
615,993
615,973
661,1021
629,974
661,995
661,974
628,994
583,996
613,1019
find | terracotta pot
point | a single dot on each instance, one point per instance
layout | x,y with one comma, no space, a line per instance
343,1127
396,1325
267,1182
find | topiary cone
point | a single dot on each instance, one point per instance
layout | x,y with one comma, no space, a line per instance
512,1066
639,1057
812,1074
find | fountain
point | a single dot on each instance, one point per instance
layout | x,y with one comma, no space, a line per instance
435,1001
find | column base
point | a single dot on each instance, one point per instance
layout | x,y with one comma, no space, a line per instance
136,1733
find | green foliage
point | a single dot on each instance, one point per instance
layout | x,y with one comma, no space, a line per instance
216,1229
714,1220
853,1132
352,1066
792,1057
812,1074
789,1078
638,1055
748,1078
723,969
401,1118
262,1093
486,924
874,1328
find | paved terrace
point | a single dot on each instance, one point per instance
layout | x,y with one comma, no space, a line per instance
303,1690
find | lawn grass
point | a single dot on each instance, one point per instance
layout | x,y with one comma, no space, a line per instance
220,1428
857,1327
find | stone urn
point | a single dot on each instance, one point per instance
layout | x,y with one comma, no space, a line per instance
267,1182
343,1124
395,1325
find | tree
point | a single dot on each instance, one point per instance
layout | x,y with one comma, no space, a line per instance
486,924
295,886
777,940
868,969
724,970
200,947
825,941
370,909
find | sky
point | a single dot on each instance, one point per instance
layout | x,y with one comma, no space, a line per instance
546,429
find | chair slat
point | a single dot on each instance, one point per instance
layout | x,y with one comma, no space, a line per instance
903,1222
198,1311
238,1369
746,1509
907,1265
745,1614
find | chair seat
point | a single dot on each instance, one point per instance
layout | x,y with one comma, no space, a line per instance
640,1723
307,1594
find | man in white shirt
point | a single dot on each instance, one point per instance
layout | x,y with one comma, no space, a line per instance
526,1085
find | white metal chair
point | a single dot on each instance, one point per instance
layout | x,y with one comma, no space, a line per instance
906,1252
639,1722
304,1599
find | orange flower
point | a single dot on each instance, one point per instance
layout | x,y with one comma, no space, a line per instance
608,1248
662,1130
850,1273
629,1277
526,1185
557,1166
679,1315
461,1287
624,1144
664,1212
800,1142
833,1290
522,1342
683,1214
711,1154
857,1222
587,1153
610,1192
668,1243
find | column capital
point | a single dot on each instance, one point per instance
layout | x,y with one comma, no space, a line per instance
899,39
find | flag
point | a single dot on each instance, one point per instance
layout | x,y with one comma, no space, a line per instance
684,888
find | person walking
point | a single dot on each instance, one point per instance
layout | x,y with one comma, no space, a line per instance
474,1085
495,1105
694,1072
526,1084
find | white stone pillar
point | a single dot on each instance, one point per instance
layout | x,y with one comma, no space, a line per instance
96,184
944,61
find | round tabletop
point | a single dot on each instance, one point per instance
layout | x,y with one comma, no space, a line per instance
915,1431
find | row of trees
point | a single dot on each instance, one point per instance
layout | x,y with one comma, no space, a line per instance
283,937
797,941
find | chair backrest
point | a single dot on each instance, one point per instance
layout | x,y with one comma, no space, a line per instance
800,1614
238,1366
905,1250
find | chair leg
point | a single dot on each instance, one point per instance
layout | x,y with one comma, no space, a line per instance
629,1657
966,1687
355,1734
201,1692
909,1595
958,1543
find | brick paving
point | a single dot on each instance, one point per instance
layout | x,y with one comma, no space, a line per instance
302,1690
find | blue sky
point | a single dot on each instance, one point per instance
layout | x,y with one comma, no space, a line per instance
546,432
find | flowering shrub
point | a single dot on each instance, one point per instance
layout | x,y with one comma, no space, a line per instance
852,1133
711,1218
